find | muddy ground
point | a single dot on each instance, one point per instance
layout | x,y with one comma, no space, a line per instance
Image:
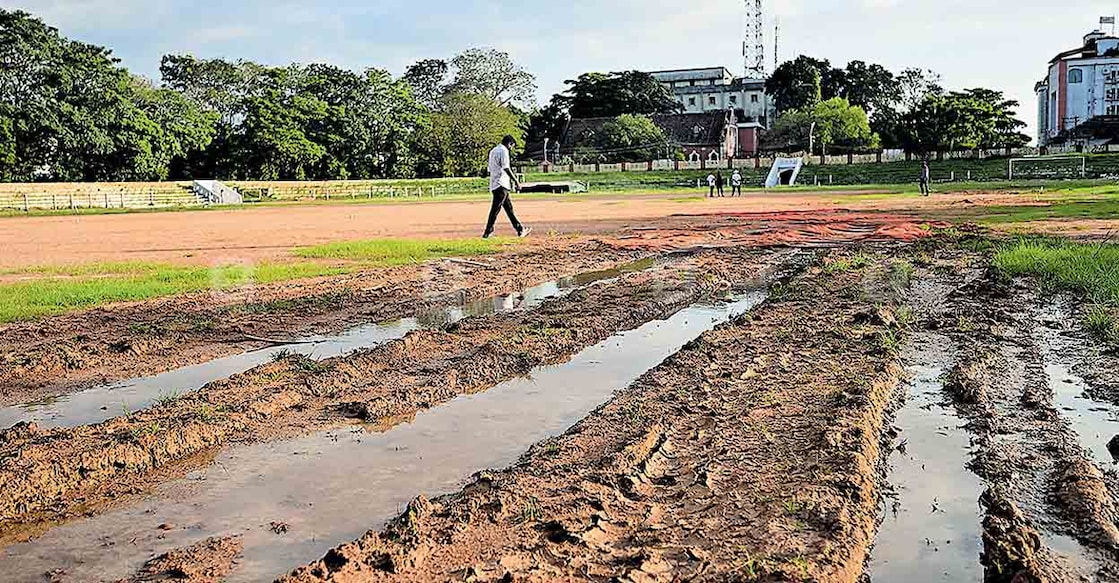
749,455
47,475
58,355
759,452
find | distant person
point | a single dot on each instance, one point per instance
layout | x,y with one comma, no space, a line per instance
502,183
925,178
736,184
719,183
711,185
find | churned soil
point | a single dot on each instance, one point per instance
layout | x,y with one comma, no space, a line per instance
1040,481
209,561
61,354
49,475
749,455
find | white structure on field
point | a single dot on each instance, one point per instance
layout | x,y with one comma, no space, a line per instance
784,172
1078,101
214,192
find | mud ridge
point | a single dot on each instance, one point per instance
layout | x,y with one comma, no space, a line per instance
747,456
48,474
1041,486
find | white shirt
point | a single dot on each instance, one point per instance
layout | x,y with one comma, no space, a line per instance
736,180
711,180
499,163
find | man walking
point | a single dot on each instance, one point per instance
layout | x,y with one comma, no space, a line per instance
925,177
502,183
736,184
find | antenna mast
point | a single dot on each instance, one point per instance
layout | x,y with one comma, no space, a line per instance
753,47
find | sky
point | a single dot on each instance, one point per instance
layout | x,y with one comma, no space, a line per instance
999,44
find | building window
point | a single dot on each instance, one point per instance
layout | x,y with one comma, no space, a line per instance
691,101
754,98
693,83
713,156
1075,76
711,100
734,100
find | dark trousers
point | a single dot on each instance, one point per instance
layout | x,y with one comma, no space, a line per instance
736,190
501,200
925,186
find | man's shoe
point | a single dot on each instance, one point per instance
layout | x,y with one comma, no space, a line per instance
487,236
524,232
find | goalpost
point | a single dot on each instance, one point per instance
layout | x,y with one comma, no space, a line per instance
1048,168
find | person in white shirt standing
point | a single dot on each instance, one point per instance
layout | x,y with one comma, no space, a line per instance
736,184
711,185
502,183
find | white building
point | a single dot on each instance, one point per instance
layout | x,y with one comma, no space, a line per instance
1078,101
712,89
716,88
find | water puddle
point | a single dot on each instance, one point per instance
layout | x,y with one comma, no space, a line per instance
102,403
930,532
332,487
1095,422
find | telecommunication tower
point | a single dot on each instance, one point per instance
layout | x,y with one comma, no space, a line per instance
753,47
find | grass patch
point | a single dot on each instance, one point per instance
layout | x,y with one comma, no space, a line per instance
403,251
1091,270
65,289
1095,209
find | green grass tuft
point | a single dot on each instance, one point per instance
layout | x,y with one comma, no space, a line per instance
1088,269
402,251
65,289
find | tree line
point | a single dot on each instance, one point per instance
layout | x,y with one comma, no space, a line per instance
866,106
70,112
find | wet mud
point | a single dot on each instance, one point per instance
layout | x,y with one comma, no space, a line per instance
749,455
102,403
48,474
63,354
361,477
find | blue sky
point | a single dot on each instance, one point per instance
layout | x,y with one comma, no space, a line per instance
1002,44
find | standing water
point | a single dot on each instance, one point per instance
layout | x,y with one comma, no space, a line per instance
102,403
332,487
1095,422
930,532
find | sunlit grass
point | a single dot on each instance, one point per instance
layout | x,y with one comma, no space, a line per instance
403,251
1090,270
63,289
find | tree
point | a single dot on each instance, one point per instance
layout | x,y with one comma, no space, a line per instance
427,78
614,94
76,115
839,123
493,74
796,84
463,129
834,122
972,119
869,86
630,138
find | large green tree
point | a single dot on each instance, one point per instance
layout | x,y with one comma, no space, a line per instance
796,84
830,123
77,115
614,94
463,128
493,74
627,138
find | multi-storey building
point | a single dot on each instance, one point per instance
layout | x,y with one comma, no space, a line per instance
713,89
1078,100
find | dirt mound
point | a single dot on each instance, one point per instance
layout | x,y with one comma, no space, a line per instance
209,561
